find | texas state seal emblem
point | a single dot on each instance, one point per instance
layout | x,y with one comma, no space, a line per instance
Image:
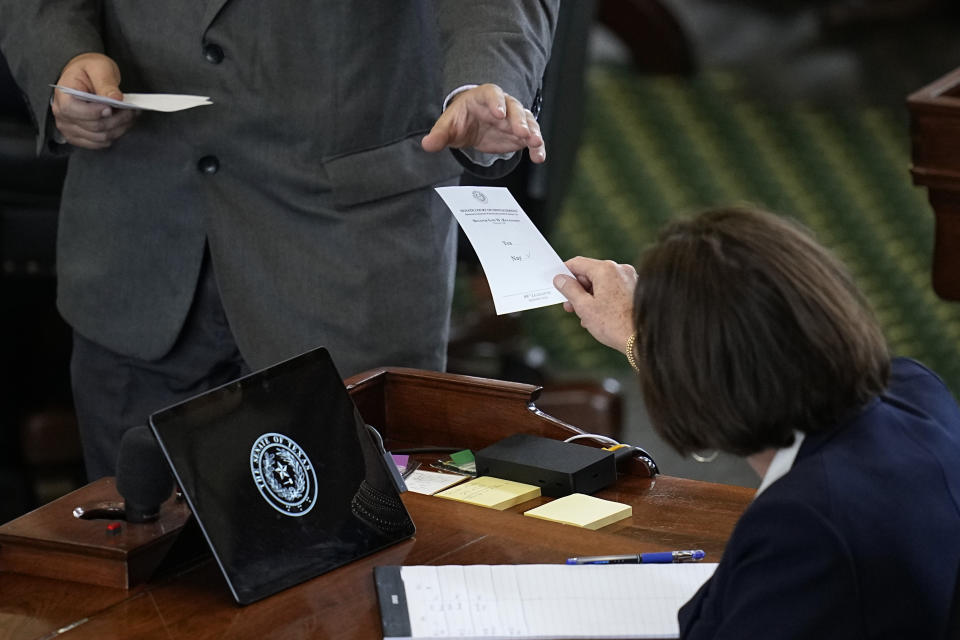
283,474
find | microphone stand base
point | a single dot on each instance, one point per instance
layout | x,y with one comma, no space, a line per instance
51,542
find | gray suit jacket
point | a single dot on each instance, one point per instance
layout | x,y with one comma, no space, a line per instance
305,178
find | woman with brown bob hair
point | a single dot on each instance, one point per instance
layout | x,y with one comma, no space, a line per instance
750,338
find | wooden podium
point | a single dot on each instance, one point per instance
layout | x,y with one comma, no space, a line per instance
52,543
935,132
411,408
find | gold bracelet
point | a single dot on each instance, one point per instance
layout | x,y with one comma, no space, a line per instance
629,350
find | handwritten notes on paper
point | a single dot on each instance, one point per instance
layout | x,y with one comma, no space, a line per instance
581,510
495,493
549,601
518,261
430,482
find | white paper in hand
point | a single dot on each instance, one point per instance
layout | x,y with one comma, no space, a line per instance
166,102
518,261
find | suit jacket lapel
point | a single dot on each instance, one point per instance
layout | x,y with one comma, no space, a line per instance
213,8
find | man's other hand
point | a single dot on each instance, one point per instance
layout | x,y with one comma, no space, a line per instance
488,120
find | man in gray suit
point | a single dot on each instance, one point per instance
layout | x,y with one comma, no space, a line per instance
297,211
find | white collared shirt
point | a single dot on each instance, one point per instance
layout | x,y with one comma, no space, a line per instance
781,463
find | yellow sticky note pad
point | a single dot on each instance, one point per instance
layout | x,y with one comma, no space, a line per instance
581,510
487,491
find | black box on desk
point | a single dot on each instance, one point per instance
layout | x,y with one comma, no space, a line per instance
558,468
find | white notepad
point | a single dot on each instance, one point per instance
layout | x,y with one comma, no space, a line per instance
492,602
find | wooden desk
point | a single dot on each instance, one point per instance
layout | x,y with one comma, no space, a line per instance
409,407
935,134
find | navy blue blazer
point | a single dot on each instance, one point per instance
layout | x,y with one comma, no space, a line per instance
860,539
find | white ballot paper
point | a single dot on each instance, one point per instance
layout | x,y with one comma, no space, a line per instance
519,262
166,102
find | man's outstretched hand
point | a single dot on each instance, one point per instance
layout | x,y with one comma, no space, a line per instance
488,120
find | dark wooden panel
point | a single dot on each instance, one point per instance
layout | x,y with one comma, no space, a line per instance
422,408
935,134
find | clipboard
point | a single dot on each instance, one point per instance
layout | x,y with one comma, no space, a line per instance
527,601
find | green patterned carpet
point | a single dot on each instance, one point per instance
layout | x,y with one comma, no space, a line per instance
655,148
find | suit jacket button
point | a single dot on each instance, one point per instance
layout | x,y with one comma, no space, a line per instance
208,165
213,53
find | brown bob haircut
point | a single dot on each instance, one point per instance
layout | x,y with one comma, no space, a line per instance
750,330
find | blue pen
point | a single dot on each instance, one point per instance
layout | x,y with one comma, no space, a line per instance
659,557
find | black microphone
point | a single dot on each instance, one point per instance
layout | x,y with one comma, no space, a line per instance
143,475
